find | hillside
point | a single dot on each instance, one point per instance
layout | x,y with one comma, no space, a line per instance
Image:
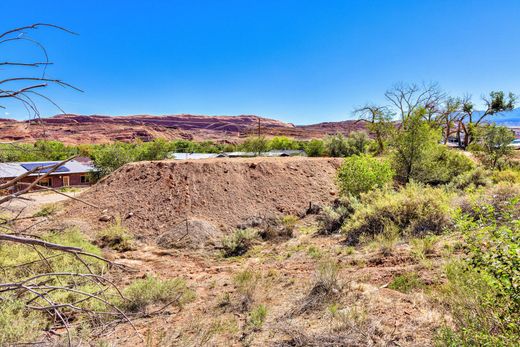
76,129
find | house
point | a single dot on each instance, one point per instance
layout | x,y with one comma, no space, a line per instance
72,173
272,153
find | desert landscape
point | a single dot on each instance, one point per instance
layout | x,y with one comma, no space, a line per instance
200,174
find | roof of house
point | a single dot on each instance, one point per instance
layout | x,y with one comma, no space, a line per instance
272,153
11,170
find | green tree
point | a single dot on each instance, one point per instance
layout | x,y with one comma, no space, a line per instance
255,144
471,120
378,121
492,144
282,142
411,145
315,148
336,145
357,143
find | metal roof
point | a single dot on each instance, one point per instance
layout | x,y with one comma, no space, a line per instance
11,170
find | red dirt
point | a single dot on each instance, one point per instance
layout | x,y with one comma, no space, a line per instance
224,192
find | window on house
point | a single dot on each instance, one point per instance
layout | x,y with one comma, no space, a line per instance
45,182
84,179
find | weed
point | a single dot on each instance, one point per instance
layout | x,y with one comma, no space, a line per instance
116,237
151,290
257,317
406,282
314,252
422,248
246,283
47,210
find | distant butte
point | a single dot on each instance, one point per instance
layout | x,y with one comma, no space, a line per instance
77,129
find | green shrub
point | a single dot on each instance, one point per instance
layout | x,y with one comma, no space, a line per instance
116,237
406,282
415,210
257,316
331,218
238,242
481,312
509,175
472,179
362,173
151,290
441,165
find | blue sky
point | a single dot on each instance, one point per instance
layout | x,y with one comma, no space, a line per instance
297,61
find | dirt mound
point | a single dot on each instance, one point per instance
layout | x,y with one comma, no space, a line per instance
193,234
153,197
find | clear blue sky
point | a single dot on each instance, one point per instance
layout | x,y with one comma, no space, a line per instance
298,61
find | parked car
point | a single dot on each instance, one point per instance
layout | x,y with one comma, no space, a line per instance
515,144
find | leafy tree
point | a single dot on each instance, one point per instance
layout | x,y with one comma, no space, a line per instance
282,142
336,146
361,173
255,144
315,148
411,145
157,149
492,144
378,121
470,121
357,143
109,158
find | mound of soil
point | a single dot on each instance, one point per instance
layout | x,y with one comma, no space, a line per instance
153,197
193,234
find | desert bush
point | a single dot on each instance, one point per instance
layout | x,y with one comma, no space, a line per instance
415,210
481,312
257,316
406,282
331,218
472,179
362,173
239,242
46,210
358,143
150,290
115,237
508,175
497,204
441,165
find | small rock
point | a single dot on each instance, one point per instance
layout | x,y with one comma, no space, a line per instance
105,218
